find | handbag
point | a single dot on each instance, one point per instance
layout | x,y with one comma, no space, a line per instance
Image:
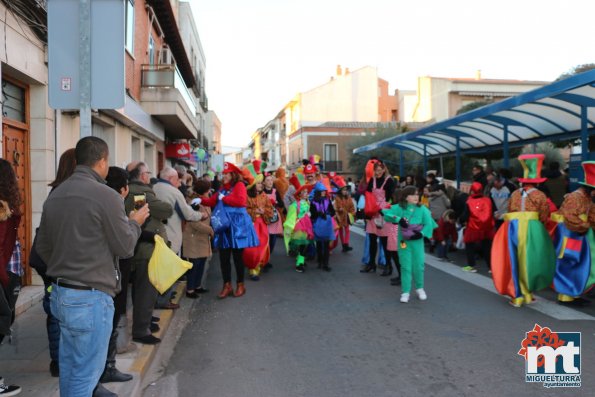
323,229
165,267
220,218
379,221
275,216
371,207
409,231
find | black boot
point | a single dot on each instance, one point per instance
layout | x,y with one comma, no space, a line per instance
388,270
101,391
371,268
112,374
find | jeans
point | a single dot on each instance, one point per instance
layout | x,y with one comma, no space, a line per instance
442,249
194,275
86,322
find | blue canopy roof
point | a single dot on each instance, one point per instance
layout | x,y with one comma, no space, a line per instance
562,110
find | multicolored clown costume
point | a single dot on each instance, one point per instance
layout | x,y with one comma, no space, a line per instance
297,228
574,241
260,209
522,252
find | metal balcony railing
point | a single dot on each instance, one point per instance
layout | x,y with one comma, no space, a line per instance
167,76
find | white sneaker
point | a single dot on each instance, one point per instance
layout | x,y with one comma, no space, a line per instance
421,294
405,297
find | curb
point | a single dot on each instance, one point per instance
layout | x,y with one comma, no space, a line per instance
141,359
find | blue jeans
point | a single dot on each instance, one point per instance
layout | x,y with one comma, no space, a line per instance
443,249
194,275
86,321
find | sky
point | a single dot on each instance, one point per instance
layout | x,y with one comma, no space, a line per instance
261,53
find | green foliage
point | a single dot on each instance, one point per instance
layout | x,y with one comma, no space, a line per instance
471,106
576,70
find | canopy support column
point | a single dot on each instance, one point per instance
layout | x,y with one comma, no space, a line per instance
505,148
458,163
584,134
401,165
425,160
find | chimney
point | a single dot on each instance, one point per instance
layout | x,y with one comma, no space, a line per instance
346,71
339,71
478,74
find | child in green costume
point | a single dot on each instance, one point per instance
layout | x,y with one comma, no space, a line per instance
415,222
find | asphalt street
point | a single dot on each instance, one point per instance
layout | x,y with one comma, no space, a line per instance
345,333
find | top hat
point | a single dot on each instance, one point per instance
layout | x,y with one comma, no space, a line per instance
589,168
532,164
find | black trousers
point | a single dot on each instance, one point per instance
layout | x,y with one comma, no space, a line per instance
482,248
374,248
323,252
225,262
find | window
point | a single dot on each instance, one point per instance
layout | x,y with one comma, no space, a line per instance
13,102
330,152
151,50
130,26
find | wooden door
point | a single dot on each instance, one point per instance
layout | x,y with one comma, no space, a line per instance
16,151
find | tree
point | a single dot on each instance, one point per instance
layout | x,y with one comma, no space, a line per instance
471,106
576,70
390,156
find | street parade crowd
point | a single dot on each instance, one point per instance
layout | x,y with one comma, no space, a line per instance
99,226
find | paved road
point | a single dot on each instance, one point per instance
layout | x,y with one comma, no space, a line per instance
345,334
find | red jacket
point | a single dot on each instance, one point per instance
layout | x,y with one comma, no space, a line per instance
238,197
8,237
445,230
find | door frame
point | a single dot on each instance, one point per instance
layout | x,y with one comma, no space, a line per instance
25,127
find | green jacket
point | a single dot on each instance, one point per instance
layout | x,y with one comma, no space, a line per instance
415,215
159,210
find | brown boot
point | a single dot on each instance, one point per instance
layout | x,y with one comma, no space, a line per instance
226,291
241,290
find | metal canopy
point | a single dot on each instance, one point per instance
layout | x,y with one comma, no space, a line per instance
561,110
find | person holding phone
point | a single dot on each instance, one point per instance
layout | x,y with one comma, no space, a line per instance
144,294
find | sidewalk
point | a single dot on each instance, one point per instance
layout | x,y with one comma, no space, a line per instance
25,360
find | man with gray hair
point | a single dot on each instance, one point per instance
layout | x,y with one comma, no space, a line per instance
166,189
144,294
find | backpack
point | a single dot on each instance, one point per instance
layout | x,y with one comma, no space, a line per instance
480,210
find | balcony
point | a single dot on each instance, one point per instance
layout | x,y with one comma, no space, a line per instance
165,97
329,166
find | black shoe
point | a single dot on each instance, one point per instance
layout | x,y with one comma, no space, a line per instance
192,295
388,271
347,248
395,280
299,269
112,374
201,290
147,340
54,369
368,269
155,319
9,390
101,391
154,328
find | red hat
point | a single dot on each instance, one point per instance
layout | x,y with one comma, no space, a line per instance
332,174
339,182
589,169
310,169
228,168
476,187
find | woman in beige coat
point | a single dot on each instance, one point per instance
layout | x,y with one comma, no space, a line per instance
196,242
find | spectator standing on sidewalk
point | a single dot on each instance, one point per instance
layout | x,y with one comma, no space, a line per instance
82,233
167,190
144,294
10,256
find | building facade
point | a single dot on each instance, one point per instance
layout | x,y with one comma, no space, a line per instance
161,101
